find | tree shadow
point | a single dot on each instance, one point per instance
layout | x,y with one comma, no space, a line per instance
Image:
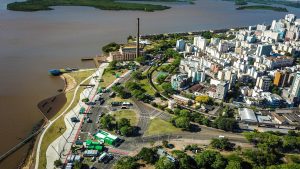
194,128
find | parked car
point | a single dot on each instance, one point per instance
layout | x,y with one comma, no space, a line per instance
101,102
107,158
90,103
69,166
74,119
88,120
102,156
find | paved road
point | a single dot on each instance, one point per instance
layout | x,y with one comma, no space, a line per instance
144,116
146,113
51,123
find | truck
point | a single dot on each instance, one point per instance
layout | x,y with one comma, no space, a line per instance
102,156
91,153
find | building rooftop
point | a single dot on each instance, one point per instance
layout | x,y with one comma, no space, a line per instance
247,115
181,97
264,119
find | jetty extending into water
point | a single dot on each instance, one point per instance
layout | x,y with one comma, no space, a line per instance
19,145
97,60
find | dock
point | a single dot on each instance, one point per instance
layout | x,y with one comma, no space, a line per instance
97,60
87,58
19,145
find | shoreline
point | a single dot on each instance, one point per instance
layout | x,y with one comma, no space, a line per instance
194,33
59,120
29,159
43,5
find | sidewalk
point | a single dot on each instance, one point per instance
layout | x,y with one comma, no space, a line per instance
60,148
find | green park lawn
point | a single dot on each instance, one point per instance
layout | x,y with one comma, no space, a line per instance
109,76
128,114
159,126
146,85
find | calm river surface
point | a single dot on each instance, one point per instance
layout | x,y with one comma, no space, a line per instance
33,42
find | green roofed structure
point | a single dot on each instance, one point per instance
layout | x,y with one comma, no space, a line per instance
82,110
106,137
92,145
88,142
99,148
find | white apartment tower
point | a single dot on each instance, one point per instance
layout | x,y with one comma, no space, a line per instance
263,83
200,43
295,88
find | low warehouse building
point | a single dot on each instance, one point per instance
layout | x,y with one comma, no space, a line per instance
247,115
106,137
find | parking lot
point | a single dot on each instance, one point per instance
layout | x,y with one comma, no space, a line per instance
91,125
109,165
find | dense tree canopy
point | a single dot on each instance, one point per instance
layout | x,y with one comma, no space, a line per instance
182,122
107,121
222,144
203,99
161,78
126,163
110,47
210,160
148,155
227,124
164,163
137,75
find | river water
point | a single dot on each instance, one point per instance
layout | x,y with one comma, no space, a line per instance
33,42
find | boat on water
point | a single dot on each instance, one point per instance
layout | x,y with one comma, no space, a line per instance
57,72
54,72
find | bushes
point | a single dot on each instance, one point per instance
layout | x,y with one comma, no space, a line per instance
148,155
204,99
167,87
138,92
165,163
107,122
182,122
85,100
126,163
153,104
193,147
137,75
161,78
210,159
222,144
57,163
123,125
262,158
120,90
272,141
110,47
227,124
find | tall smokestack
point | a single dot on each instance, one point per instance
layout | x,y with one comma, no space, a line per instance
138,38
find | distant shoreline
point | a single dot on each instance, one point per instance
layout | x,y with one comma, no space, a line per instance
32,5
262,7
